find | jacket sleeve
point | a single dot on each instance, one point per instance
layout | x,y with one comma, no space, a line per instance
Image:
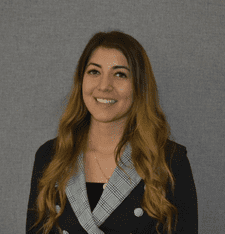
185,194
42,159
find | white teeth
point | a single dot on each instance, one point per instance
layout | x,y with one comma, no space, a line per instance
106,101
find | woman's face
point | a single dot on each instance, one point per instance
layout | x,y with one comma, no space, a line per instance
104,80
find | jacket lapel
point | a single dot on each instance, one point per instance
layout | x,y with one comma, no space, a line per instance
117,189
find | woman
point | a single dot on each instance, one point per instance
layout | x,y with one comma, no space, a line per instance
127,176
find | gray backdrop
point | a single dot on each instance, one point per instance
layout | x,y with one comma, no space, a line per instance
40,44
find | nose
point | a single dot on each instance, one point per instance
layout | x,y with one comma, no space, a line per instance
105,81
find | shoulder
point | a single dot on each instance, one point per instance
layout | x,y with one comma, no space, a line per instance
176,155
48,147
173,147
45,154
179,164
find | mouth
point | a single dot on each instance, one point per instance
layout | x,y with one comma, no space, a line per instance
105,104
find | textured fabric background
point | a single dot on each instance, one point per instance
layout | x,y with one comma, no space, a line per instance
40,44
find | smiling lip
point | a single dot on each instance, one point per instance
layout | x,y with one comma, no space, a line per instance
106,98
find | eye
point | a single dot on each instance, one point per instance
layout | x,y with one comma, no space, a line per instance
92,71
121,73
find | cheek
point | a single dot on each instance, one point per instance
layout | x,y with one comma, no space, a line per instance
131,97
128,94
87,86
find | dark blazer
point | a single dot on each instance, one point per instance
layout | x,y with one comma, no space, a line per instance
119,208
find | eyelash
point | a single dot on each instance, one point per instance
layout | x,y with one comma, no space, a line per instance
116,73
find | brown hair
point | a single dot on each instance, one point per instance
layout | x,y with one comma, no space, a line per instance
146,129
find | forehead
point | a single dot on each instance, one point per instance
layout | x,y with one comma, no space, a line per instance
110,56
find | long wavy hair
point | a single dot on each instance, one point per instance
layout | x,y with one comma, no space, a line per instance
146,129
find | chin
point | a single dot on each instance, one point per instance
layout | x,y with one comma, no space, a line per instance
104,119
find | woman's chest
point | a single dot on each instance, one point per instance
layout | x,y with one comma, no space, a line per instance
97,168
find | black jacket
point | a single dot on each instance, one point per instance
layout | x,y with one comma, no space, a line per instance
118,208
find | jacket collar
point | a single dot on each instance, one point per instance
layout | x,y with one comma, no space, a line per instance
118,188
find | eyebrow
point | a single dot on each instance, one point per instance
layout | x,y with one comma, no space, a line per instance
114,67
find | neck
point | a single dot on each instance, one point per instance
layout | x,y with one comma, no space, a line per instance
104,137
